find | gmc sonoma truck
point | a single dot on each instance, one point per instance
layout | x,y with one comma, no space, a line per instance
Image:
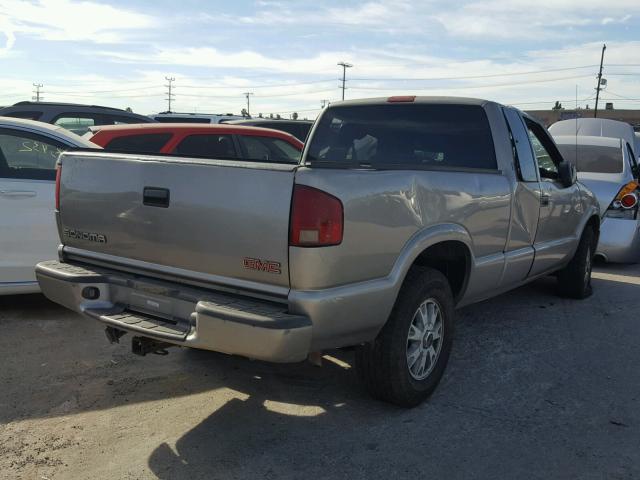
400,210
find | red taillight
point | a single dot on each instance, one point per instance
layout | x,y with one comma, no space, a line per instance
401,98
630,200
316,218
58,175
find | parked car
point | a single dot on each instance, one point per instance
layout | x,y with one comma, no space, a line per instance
608,167
28,154
297,128
201,140
172,117
597,127
74,117
401,210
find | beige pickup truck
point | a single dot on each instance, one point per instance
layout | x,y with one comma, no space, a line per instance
400,210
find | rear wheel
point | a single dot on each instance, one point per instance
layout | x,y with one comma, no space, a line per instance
405,362
574,281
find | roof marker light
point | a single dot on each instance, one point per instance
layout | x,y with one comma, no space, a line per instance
401,98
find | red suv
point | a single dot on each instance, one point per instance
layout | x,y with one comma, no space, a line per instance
218,141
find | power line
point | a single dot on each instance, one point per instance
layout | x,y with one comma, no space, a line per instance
619,96
110,91
541,102
355,87
472,77
256,95
259,86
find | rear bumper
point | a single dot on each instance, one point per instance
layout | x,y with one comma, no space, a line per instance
180,315
619,240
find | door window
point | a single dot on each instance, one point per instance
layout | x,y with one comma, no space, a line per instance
209,146
266,149
29,156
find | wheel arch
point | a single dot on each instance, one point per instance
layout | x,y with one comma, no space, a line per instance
446,248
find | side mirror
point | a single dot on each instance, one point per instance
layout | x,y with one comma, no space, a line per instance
567,173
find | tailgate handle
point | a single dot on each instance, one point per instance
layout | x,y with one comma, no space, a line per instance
156,197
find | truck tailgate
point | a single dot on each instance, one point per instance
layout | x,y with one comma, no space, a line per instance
225,219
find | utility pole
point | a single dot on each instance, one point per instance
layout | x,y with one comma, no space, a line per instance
324,103
595,112
169,88
37,92
344,66
248,94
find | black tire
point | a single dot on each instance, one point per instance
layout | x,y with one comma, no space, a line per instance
574,280
383,366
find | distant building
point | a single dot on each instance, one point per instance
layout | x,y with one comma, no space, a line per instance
548,117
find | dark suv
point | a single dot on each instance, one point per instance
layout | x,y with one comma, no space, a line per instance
72,116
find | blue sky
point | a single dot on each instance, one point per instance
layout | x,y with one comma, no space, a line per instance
117,53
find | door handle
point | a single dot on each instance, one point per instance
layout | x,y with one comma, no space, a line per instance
18,193
545,198
156,197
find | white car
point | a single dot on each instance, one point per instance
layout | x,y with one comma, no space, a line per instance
28,233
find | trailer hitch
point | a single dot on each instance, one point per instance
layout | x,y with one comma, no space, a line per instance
114,334
143,345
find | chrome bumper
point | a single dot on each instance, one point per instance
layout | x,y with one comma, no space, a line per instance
180,315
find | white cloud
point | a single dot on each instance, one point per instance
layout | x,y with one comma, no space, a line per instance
520,19
513,19
7,31
69,20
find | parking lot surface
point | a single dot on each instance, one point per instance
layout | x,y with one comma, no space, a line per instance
537,387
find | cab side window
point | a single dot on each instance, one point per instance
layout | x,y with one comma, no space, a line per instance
543,146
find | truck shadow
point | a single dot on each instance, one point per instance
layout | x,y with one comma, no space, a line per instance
509,372
279,423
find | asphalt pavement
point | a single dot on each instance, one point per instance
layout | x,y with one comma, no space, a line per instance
537,387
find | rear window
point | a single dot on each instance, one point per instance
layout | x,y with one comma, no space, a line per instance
147,143
210,146
404,136
593,158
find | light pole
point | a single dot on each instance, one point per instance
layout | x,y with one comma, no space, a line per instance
248,94
595,112
37,93
169,88
344,66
